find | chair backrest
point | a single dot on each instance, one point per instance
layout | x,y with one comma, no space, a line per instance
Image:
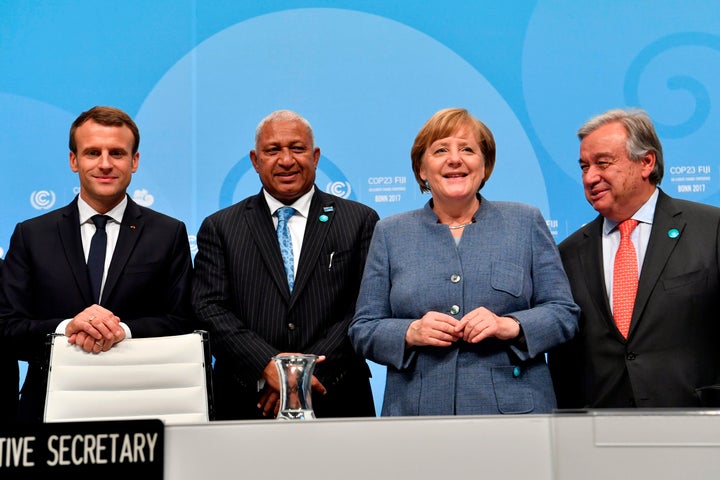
160,377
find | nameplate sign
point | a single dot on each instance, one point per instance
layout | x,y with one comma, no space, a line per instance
112,449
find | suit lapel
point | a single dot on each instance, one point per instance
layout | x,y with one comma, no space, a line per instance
660,247
592,264
258,220
320,218
69,231
130,231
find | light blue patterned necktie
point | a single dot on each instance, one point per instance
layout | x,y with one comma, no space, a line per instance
286,248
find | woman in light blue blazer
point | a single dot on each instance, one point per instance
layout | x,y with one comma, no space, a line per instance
462,298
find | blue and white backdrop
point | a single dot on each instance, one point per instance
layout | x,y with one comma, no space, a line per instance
198,76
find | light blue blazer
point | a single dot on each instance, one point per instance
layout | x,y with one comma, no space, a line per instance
506,261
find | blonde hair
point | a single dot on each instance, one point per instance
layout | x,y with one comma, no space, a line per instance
442,124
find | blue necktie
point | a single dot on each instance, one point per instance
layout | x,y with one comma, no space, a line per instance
96,257
286,248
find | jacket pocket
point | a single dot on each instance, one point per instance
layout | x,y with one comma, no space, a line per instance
507,277
684,280
513,393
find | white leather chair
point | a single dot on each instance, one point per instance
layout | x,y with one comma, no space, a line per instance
168,378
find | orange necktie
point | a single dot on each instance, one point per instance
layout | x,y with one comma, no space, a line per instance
625,278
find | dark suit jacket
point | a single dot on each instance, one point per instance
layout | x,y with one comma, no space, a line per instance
9,375
241,295
672,346
45,280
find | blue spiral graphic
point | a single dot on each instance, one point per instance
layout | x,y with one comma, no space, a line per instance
693,86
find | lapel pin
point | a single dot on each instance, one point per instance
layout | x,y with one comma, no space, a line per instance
673,233
328,209
323,218
132,227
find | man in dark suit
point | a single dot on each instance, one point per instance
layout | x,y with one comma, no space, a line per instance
9,376
143,289
242,294
669,348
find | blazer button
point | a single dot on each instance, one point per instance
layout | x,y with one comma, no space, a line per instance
291,326
455,278
631,356
454,310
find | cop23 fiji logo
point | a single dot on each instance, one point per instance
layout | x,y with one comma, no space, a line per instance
42,199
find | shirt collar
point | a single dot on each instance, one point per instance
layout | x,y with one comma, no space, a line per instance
86,211
301,205
644,215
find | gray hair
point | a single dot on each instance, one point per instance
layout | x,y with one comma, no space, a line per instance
642,137
284,116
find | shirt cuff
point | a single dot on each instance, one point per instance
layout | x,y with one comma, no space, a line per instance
62,326
128,333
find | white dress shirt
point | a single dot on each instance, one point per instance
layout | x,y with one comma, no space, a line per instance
296,223
87,230
640,237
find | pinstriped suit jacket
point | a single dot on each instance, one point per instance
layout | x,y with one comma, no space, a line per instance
240,291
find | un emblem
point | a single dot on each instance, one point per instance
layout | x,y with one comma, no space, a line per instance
339,189
42,199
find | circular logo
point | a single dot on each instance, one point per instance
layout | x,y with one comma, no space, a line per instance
340,189
42,199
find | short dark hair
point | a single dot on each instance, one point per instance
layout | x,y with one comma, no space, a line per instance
108,116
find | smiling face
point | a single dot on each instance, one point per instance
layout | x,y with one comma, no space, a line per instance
454,167
104,163
615,185
285,159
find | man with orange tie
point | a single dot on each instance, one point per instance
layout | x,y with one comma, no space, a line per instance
646,274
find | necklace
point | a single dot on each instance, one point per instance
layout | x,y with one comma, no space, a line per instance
463,225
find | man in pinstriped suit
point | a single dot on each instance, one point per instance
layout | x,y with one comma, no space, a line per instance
241,292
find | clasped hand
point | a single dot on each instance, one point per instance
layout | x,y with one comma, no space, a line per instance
95,329
441,330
